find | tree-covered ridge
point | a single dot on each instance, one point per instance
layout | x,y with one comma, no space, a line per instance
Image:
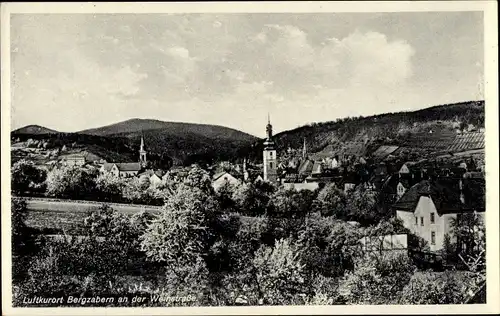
393,126
167,143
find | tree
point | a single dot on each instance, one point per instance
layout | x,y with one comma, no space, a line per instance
113,240
450,287
250,200
109,187
287,210
377,280
469,231
361,205
23,239
225,197
328,246
179,237
26,177
332,201
392,226
139,190
71,182
199,178
279,272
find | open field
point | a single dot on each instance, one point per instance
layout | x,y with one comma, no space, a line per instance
52,216
59,205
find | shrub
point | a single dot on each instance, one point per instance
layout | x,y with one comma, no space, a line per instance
27,178
449,287
377,281
279,273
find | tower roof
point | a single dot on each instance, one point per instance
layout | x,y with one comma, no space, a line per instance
269,132
142,144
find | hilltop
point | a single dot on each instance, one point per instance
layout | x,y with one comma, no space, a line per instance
134,127
34,129
182,143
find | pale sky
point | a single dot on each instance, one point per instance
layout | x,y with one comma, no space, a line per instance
77,71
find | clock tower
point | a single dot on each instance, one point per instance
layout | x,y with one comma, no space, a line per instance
270,159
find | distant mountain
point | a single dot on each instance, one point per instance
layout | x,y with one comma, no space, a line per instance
137,126
34,129
180,143
421,129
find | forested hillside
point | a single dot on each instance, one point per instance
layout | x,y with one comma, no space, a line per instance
390,128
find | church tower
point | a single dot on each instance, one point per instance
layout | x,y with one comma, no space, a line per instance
270,159
142,154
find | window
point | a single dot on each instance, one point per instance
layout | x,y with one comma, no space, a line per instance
421,221
271,155
271,165
433,238
416,220
432,218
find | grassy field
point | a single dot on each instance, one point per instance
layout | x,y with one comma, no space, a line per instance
57,216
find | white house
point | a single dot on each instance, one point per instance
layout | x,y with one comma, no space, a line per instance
73,160
155,177
124,169
428,208
301,186
222,178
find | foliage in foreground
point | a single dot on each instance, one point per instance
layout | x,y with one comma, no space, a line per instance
291,253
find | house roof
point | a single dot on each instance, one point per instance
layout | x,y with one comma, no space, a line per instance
384,151
159,173
306,167
467,141
73,156
107,166
220,174
317,167
129,166
123,166
445,193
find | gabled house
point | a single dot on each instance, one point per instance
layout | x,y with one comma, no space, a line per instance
222,178
428,208
122,169
155,176
73,160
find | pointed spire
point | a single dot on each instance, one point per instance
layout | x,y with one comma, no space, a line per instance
304,149
142,144
269,128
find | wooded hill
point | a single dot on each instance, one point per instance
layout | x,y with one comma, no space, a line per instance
166,142
401,129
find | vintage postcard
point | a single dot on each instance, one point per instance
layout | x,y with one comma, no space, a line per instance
250,158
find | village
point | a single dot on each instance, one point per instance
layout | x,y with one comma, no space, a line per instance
425,194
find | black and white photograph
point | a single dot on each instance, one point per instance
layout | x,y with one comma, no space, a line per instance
244,159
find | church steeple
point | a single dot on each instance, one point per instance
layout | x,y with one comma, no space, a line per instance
142,153
269,128
304,150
